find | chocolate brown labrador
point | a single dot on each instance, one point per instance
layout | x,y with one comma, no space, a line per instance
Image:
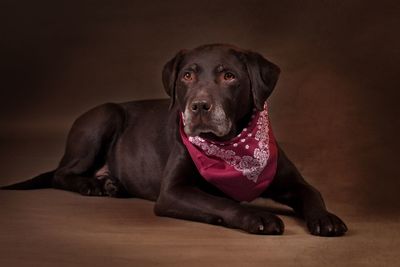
135,148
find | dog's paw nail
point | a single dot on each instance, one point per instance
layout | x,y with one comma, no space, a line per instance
317,229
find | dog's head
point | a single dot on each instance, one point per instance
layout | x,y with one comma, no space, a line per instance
216,86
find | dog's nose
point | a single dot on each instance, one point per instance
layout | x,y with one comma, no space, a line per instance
200,106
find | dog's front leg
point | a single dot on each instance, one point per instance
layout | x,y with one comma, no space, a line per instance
290,188
179,198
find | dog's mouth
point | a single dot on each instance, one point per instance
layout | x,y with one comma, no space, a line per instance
207,128
208,131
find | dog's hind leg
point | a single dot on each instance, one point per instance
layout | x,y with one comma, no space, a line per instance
88,145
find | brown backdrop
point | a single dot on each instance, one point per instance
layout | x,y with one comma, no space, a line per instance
335,108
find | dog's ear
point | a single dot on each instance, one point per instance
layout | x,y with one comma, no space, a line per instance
169,75
263,77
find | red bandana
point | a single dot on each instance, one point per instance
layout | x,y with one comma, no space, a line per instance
242,167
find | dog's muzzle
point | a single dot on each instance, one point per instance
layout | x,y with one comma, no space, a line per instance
204,116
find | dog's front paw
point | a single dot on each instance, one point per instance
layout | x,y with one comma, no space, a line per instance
326,224
262,223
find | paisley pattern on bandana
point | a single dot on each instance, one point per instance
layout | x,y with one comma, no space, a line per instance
251,156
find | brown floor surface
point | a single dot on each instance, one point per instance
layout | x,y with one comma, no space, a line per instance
52,228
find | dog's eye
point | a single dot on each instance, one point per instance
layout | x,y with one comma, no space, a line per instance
229,76
187,76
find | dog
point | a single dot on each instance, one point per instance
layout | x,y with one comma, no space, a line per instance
198,154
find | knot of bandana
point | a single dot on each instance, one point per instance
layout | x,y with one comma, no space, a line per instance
242,167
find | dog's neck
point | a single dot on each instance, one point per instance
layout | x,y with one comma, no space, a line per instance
244,121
